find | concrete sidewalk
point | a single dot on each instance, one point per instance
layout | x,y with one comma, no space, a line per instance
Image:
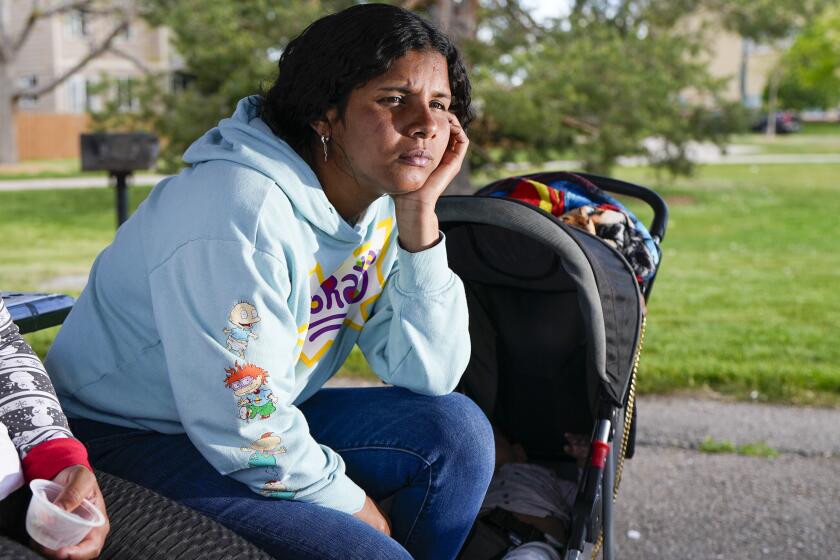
73,182
700,154
678,503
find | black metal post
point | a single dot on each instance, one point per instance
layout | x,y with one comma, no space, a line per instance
122,195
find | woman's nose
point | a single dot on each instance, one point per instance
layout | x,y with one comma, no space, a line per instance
423,123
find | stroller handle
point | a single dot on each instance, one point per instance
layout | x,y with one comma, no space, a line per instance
646,195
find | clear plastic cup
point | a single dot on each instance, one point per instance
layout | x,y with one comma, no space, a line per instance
54,527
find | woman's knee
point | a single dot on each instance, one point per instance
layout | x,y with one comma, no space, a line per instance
463,433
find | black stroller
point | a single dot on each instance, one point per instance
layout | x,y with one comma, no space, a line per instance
557,320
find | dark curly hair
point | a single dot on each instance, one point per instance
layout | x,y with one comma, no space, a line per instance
343,51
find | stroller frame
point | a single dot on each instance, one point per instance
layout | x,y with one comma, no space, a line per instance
613,434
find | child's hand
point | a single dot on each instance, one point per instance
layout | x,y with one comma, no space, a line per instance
79,483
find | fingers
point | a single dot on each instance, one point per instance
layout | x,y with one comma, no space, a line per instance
80,484
387,522
90,547
458,140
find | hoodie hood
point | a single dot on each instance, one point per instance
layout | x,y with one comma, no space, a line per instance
246,139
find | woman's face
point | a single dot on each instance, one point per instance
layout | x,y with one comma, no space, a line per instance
395,128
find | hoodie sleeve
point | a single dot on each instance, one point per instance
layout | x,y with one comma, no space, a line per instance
418,334
229,340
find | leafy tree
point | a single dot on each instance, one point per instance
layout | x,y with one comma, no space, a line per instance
765,21
811,67
598,84
774,22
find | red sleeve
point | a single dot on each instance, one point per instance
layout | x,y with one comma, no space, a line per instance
47,459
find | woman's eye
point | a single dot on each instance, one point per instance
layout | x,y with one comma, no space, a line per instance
392,100
438,105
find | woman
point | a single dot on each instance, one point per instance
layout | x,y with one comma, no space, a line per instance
194,359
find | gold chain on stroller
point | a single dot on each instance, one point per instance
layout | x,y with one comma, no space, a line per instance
625,434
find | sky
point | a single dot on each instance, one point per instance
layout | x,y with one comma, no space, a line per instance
541,9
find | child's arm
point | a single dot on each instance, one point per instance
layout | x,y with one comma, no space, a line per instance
30,410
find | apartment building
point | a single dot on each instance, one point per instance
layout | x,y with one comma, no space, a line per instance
48,126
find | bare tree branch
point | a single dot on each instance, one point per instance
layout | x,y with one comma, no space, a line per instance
578,124
142,66
37,14
93,53
519,16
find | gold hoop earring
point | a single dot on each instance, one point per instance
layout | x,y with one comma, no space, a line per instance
324,141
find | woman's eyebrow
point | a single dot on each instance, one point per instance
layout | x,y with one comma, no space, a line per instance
407,91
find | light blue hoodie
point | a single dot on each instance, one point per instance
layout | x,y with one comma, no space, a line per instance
233,293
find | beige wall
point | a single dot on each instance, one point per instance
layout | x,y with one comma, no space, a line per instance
724,57
36,57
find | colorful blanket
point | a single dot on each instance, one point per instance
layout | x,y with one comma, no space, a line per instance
579,203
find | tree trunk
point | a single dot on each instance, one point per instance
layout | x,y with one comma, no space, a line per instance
8,135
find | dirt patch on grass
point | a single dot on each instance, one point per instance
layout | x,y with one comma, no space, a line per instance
680,200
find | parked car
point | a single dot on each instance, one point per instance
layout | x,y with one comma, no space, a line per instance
786,122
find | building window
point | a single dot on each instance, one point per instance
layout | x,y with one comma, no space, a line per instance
76,95
125,34
28,82
78,23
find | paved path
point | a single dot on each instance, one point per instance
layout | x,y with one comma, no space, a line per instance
686,504
72,182
701,154
678,503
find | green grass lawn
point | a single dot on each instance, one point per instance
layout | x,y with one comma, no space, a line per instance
746,300
790,144
817,128
45,169
814,138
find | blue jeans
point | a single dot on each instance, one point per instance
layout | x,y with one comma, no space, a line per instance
432,456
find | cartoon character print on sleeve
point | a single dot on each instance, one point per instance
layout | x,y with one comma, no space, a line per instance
276,489
243,318
263,454
264,451
255,401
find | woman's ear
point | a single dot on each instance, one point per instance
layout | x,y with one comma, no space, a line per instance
324,126
321,127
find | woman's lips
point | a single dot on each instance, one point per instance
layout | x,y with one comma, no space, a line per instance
416,161
417,158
